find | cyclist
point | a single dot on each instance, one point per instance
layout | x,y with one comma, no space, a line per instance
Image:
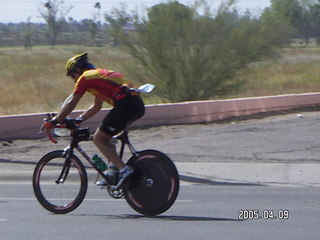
106,86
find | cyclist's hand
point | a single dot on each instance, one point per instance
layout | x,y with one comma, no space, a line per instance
48,125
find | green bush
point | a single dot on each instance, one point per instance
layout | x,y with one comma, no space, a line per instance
194,57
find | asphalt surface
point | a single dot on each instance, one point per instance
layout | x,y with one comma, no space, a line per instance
227,170
200,212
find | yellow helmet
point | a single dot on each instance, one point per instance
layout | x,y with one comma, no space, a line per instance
76,61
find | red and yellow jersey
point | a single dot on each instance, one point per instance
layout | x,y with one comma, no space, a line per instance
101,83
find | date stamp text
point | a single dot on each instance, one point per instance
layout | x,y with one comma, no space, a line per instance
255,214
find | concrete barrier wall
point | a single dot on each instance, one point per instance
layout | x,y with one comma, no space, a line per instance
27,126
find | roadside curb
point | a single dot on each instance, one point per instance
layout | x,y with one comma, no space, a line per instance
27,126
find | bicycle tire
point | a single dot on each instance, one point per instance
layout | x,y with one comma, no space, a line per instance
59,198
154,187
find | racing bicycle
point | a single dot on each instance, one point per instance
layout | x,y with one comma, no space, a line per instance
60,179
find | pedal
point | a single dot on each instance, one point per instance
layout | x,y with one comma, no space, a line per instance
115,193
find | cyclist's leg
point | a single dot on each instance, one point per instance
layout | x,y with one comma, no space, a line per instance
102,140
124,113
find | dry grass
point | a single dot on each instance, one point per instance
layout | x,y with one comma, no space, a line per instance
296,71
34,80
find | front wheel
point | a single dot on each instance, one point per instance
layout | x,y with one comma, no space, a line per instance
154,187
60,185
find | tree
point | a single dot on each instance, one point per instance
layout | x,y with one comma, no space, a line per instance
54,13
193,57
94,23
117,21
97,5
315,20
28,35
296,13
279,27
93,30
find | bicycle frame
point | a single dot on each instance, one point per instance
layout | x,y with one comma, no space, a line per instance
69,151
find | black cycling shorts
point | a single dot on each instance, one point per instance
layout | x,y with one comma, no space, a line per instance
125,112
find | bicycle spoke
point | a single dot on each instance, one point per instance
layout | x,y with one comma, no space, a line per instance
55,195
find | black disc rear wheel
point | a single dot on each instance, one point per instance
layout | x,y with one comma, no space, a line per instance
155,185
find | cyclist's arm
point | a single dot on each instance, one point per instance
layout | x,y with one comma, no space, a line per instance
68,107
91,111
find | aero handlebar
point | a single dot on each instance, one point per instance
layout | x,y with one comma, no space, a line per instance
68,123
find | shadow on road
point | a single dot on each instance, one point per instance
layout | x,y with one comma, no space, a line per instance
211,182
164,218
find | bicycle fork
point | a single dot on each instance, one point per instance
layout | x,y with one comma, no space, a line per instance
68,152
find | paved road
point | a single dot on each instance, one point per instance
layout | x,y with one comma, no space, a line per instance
201,212
264,164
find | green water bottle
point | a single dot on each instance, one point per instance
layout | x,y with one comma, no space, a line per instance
99,163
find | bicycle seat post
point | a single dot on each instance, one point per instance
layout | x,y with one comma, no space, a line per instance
114,140
124,140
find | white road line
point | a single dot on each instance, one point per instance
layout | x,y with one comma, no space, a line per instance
89,199
17,199
3,220
34,199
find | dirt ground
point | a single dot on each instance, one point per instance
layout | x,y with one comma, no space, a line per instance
270,139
